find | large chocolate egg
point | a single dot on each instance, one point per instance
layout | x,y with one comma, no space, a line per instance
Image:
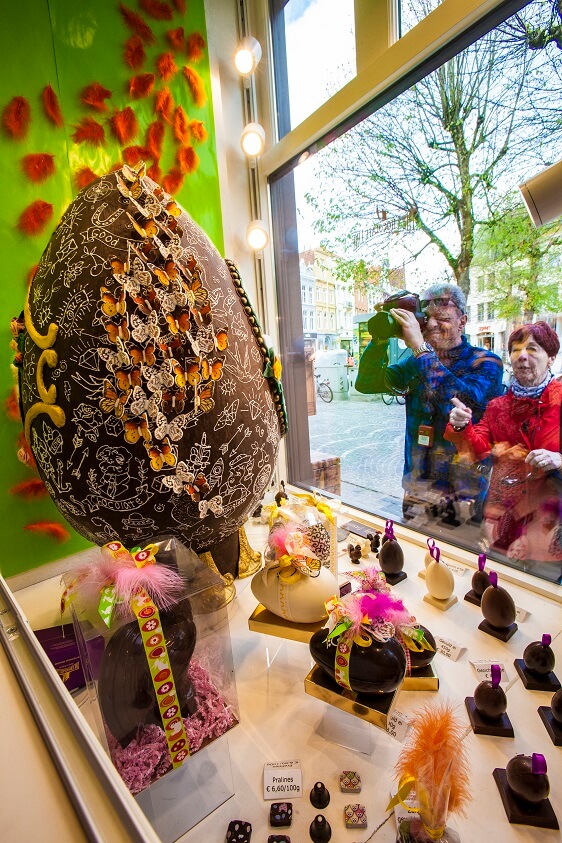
423,657
556,706
528,785
125,688
490,700
498,607
300,602
150,400
538,657
376,669
391,557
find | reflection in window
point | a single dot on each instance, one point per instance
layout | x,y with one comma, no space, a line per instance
400,202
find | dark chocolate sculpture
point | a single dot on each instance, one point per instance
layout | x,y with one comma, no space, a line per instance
150,400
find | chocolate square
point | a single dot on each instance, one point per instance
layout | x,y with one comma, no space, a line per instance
280,814
239,831
278,838
355,816
350,782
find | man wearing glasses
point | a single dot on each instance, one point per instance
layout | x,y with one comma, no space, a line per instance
442,365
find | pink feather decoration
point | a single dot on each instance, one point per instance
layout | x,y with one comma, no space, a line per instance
278,537
379,605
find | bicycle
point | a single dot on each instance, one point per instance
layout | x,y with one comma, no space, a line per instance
324,390
389,397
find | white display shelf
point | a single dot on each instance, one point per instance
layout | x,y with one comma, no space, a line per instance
279,721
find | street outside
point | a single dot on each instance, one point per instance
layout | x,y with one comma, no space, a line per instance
368,437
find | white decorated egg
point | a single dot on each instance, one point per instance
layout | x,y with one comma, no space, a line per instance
302,601
439,580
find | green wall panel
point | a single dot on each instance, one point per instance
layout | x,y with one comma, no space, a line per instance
69,45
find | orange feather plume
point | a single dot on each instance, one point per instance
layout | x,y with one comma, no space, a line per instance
155,139
164,104
198,131
25,454
53,529
137,25
124,125
154,172
31,273
435,755
133,154
141,86
179,6
38,166
52,106
196,86
94,95
194,46
89,131
166,66
35,217
157,9
30,489
16,118
181,125
173,180
134,52
176,37
83,177
188,160
12,405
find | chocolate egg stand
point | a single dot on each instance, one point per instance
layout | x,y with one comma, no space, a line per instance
154,411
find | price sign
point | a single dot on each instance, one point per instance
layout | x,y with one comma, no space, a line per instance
521,614
483,668
448,648
398,725
282,780
458,570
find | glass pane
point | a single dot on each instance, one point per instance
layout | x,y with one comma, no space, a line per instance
422,192
320,44
412,12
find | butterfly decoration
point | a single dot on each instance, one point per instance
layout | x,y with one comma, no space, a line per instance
136,428
119,268
203,314
147,300
211,370
112,402
193,371
159,378
147,329
141,403
147,229
143,356
179,374
204,398
110,304
178,320
214,506
175,228
161,274
221,339
127,380
173,401
160,455
114,359
179,481
168,348
165,428
176,297
118,329
198,487
173,208
132,179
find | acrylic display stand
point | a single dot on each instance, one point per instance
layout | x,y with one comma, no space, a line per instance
373,708
346,730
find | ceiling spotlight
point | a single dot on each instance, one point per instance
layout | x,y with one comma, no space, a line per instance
247,56
257,235
253,140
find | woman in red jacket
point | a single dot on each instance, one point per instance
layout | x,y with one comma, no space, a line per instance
522,432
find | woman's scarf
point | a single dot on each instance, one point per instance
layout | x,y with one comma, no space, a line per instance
531,391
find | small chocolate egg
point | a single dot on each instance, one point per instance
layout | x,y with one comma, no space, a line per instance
490,700
526,784
538,656
480,582
497,606
556,706
391,557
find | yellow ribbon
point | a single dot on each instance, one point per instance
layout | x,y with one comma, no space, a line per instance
320,505
405,785
434,833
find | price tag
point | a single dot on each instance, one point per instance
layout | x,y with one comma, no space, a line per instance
483,668
398,725
449,648
458,570
282,780
521,614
